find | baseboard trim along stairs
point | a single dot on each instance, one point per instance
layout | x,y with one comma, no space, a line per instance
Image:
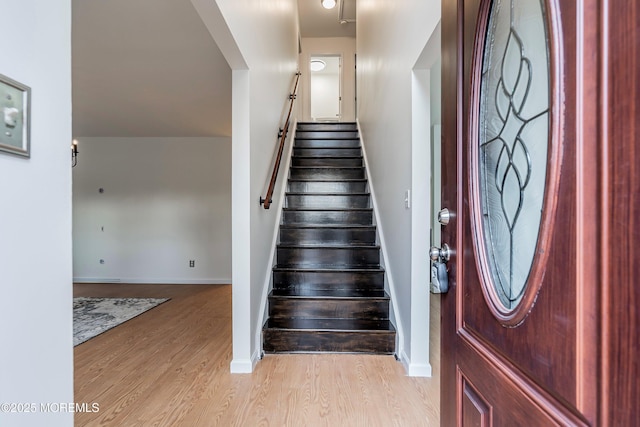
328,286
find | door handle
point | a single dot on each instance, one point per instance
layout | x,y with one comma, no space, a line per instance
439,274
440,254
444,216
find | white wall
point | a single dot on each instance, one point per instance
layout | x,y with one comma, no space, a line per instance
36,352
345,46
259,39
165,201
390,39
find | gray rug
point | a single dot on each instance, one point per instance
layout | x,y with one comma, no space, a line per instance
93,316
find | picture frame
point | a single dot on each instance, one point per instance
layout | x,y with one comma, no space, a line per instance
15,117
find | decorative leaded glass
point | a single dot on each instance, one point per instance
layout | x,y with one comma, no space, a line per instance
513,141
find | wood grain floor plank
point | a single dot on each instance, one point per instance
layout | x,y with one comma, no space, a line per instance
170,367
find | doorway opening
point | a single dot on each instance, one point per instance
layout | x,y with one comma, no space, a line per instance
326,95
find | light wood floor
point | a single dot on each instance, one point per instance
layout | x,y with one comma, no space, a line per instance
170,367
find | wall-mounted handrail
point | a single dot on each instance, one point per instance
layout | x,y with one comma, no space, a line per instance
266,202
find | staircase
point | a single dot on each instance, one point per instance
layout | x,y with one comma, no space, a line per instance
328,288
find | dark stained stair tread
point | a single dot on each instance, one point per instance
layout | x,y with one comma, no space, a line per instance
330,293
347,341
327,153
321,257
305,234
321,226
325,278
326,162
365,308
323,134
363,216
344,325
326,172
330,210
328,270
327,143
327,167
302,193
330,247
327,201
327,126
331,186
346,186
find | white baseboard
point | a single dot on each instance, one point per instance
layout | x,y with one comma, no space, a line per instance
241,366
420,370
152,281
245,366
415,369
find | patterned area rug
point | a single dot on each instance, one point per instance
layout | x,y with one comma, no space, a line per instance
93,316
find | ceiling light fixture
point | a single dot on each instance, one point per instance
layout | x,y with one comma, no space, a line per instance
317,65
328,4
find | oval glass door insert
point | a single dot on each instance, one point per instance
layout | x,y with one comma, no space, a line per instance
513,145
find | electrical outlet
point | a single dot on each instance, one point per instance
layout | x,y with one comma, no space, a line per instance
192,263
407,199
101,261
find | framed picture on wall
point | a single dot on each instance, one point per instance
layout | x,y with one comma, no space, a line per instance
15,114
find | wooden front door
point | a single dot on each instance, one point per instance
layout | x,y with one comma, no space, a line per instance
538,140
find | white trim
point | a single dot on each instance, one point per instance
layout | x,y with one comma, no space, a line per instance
383,248
166,281
420,216
284,171
420,370
423,370
216,24
245,366
241,202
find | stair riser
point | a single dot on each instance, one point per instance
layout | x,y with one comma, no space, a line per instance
327,126
324,280
359,201
328,217
327,152
322,143
306,236
329,258
335,162
328,173
310,134
328,341
327,187
328,309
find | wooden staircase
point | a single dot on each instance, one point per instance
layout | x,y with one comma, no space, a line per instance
328,288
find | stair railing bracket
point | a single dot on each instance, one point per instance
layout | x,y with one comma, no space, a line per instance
263,200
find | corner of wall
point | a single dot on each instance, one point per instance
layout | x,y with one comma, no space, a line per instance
262,314
384,256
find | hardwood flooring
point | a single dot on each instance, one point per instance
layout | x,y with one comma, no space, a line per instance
170,367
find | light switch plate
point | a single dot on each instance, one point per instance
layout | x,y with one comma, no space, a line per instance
15,100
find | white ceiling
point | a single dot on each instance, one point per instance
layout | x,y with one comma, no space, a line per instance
316,21
150,68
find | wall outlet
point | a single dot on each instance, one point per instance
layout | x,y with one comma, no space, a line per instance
192,263
407,199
